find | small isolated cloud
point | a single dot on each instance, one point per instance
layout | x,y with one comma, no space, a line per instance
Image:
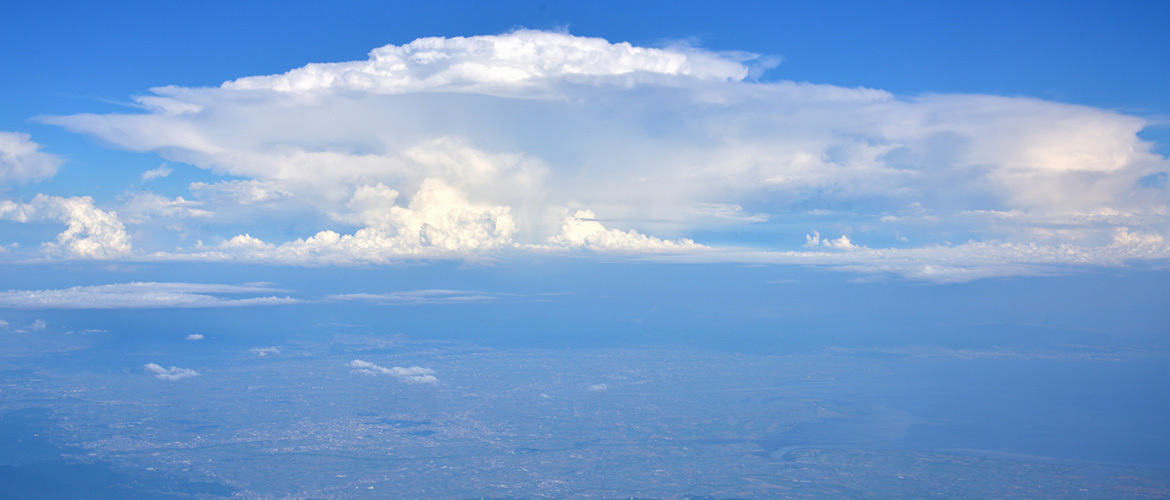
173,373
264,351
413,375
415,297
37,325
598,387
141,296
157,173
22,161
3,324
194,336
814,240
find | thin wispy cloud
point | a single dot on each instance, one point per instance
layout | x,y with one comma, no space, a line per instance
144,296
157,173
416,297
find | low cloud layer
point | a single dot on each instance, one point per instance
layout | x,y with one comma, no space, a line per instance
416,297
143,296
537,141
170,374
413,375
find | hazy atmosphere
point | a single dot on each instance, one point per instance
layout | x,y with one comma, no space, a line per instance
556,250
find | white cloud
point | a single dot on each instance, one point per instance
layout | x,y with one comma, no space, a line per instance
90,232
843,243
415,297
414,374
38,325
141,296
597,387
583,230
438,222
728,211
157,173
194,336
3,324
264,351
500,137
22,161
139,208
957,263
238,191
171,374
505,63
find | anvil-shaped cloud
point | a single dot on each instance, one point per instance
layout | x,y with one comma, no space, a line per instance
544,141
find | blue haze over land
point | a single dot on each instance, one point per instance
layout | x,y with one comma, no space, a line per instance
662,250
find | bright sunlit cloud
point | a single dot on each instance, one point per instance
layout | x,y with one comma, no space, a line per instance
532,141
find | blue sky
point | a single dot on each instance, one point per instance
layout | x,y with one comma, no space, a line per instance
904,227
941,143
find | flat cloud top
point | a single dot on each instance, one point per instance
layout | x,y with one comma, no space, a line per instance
141,295
487,63
531,141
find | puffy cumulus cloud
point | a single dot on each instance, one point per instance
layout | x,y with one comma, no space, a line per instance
194,336
142,296
90,232
413,375
438,222
265,351
170,374
21,160
583,230
500,137
814,240
597,388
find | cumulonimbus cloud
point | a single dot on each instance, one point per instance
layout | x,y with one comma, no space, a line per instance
456,147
